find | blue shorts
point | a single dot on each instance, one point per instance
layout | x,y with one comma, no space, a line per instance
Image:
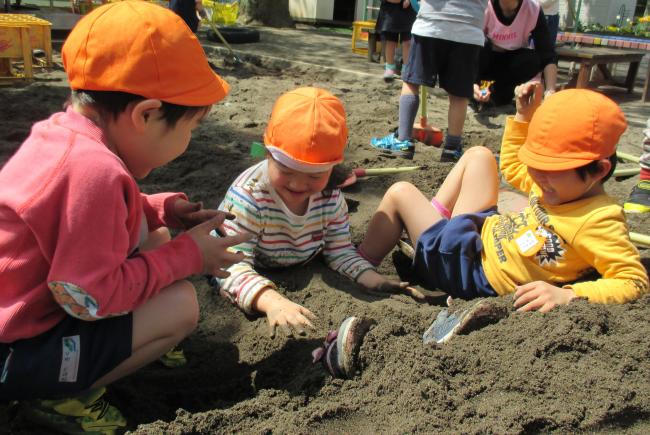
453,64
448,256
396,36
66,360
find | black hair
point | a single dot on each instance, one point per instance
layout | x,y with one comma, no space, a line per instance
592,168
112,103
339,174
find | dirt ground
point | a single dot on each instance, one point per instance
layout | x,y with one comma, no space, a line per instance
579,368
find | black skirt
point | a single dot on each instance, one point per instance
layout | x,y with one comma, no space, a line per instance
394,18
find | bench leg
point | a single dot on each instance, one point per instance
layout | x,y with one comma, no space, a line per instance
583,76
646,88
631,76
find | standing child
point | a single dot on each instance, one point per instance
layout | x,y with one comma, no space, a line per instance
395,20
286,203
92,284
447,38
551,10
188,10
571,229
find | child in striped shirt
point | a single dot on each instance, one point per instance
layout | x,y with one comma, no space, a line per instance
286,204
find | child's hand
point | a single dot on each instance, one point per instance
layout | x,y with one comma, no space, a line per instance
379,284
481,95
528,97
542,296
214,250
406,4
193,213
281,313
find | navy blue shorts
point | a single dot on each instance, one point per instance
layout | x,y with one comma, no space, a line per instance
448,256
396,36
453,64
66,360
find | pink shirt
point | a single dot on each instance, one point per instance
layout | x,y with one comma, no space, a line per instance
517,34
70,215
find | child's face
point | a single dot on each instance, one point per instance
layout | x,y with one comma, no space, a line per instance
560,187
152,143
295,187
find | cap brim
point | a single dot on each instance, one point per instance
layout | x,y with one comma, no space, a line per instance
549,163
300,165
214,92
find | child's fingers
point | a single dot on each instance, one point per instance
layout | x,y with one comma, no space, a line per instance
548,306
220,273
304,320
533,305
272,326
236,239
415,294
524,297
529,302
308,314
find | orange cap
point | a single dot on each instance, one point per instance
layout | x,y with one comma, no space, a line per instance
572,128
307,130
143,49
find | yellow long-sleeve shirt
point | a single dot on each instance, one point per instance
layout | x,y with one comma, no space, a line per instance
580,238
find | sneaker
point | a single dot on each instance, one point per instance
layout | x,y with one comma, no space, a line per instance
389,75
639,200
390,144
446,325
89,413
174,358
340,350
450,155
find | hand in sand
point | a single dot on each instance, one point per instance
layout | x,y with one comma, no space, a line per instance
377,284
291,318
542,296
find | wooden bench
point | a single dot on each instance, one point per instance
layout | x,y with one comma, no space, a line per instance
588,57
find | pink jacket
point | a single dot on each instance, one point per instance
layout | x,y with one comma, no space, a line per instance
517,34
70,216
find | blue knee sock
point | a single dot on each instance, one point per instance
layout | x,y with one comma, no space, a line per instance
408,109
453,142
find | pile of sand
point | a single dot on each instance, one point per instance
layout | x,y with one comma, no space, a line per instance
581,367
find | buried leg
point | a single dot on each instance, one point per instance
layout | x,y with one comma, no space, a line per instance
480,314
340,351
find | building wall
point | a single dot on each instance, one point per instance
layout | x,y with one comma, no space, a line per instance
599,11
311,9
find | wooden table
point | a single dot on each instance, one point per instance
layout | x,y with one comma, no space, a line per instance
588,57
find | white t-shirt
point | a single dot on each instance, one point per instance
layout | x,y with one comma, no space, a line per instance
453,20
550,7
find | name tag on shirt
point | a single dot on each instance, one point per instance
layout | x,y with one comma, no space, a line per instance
528,242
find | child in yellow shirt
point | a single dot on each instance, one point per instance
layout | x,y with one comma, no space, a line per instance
560,155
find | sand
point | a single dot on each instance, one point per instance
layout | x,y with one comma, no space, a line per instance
579,368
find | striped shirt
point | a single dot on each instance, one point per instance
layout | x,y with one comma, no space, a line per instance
283,238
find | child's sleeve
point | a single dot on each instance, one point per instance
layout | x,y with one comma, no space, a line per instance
604,243
339,252
158,210
90,275
244,284
513,170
